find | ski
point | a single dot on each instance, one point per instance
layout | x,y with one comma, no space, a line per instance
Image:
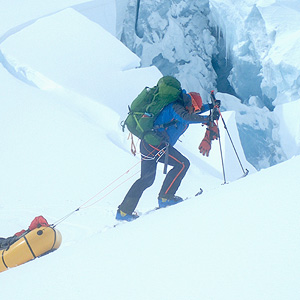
157,208
186,198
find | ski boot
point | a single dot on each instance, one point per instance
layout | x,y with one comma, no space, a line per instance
122,216
164,202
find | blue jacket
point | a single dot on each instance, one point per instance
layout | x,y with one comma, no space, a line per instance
177,112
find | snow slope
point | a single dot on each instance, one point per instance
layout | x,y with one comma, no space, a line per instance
238,241
61,145
12,20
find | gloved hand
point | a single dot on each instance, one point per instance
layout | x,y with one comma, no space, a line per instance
213,131
205,145
218,104
216,114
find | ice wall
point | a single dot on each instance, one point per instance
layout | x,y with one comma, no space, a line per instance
263,41
175,37
248,49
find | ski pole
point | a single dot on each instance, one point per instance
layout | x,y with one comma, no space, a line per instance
221,152
213,98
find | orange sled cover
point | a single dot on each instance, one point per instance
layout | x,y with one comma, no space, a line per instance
35,243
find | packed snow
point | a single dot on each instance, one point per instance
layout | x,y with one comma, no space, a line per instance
66,84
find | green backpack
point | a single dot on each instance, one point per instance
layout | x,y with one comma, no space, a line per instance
147,105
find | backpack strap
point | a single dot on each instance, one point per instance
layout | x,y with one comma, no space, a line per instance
137,121
166,125
155,94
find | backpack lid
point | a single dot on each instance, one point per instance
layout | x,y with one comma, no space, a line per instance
169,81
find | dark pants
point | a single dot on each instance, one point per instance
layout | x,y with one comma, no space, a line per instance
150,156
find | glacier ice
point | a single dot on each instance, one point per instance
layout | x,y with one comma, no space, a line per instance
167,36
244,48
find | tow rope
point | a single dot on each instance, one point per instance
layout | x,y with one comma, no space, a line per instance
88,204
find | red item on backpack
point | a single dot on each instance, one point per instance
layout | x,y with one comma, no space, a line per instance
20,233
38,222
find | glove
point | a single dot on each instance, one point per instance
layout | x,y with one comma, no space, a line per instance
218,104
213,131
216,115
205,145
